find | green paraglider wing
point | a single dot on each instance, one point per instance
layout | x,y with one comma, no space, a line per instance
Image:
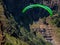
38,5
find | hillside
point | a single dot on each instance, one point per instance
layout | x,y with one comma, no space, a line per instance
8,39
25,30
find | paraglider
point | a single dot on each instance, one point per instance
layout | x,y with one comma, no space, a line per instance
38,5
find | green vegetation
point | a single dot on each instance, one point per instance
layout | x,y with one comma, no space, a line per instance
56,20
19,35
23,36
10,40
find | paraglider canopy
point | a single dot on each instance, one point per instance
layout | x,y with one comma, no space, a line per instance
38,5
